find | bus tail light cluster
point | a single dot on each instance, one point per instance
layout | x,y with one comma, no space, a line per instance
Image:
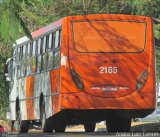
142,80
77,79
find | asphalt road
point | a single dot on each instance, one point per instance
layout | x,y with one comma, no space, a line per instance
82,134
77,134
145,130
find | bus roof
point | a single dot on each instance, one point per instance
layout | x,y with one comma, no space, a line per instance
39,32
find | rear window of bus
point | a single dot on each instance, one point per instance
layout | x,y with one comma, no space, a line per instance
109,36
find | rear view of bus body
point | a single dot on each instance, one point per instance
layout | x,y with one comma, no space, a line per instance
83,70
111,69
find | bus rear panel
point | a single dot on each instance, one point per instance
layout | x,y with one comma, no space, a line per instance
110,67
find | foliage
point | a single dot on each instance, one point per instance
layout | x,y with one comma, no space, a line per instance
158,62
19,17
11,22
4,51
147,8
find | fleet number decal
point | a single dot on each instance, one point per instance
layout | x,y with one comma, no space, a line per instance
108,70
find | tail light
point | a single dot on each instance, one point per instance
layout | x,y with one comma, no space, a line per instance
142,80
77,79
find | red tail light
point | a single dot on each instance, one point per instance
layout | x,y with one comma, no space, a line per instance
77,79
142,80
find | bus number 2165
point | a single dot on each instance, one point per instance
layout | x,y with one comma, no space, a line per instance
108,70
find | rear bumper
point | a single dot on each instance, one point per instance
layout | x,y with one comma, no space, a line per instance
97,113
134,101
75,116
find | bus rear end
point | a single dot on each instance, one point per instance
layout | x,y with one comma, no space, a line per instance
111,70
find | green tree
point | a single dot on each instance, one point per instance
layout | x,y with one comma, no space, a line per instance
11,23
14,18
4,51
146,8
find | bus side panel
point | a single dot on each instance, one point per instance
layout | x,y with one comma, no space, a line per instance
46,90
54,80
22,97
55,90
12,98
56,104
12,112
37,93
42,86
29,96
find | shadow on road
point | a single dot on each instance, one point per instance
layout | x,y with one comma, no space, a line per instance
149,127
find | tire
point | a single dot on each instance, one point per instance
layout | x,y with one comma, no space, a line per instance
46,124
118,125
60,126
12,126
24,126
19,125
89,126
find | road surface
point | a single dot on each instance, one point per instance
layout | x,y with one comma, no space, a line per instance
145,130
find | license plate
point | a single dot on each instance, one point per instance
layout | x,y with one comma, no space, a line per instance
110,88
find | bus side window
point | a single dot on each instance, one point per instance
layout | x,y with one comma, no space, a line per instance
60,38
44,53
18,54
10,69
33,58
26,52
39,57
57,39
44,44
57,49
50,42
23,61
53,40
28,59
20,62
14,52
50,52
21,53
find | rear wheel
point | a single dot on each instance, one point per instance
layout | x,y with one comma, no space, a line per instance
60,126
12,126
118,125
46,124
19,125
89,126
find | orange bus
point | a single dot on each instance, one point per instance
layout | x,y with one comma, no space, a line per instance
83,70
